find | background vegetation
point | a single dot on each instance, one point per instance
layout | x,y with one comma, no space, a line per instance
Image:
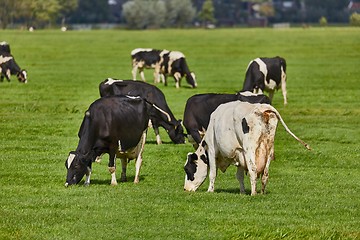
139,14
310,195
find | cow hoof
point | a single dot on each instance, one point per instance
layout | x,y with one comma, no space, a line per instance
136,181
114,184
86,184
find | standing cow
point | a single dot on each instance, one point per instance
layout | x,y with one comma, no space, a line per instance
267,74
174,64
147,58
116,125
8,66
152,94
199,107
240,134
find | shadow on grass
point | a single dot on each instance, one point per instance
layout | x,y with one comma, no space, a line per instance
108,181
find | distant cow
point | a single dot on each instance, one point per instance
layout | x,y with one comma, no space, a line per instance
199,108
174,64
116,125
267,74
152,94
147,58
240,134
8,66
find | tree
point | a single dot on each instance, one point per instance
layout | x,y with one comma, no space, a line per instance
66,8
140,14
206,14
179,12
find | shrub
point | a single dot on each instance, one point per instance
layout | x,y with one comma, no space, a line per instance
355,19
323,21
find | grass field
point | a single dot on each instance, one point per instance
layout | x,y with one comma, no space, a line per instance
310,195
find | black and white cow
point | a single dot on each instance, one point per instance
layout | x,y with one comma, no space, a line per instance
174,64
116,125
152,94
147,58
266,74
199,107
240,134
8,66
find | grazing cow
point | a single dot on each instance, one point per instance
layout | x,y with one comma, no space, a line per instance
147,58
240,134
152,94
116,125
199,107
267,74
174,64
8,66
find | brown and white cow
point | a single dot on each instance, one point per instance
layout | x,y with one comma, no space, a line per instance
240,134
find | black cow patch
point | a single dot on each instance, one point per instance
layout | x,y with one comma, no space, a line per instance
190,166
245,126
203,144
204,158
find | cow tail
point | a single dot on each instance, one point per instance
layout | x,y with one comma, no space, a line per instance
289,131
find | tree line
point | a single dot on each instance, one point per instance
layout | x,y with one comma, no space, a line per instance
142,14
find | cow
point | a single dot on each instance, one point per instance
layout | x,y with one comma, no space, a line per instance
8,66
199,107
240,134
147,58
152,94
116,125
266,74
174,64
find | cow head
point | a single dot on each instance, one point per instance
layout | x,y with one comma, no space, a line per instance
22,76
176,133
196,168
191,79
77,166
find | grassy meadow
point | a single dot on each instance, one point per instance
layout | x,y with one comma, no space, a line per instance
310,195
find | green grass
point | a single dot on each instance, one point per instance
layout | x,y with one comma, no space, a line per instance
310,195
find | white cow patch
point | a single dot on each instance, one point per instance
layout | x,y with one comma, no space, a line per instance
4,59
70,159
262,66
110,81
271,85
136,50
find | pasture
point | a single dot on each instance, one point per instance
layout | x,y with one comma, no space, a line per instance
310,195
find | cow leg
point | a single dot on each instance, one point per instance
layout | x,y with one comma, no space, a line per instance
112,168
139,158
87,179
283,86
133,72
142,75
165,80
158,139
157,74
240,178
265,176
123,169
162,78
212,171
240,170
177,77
271,94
